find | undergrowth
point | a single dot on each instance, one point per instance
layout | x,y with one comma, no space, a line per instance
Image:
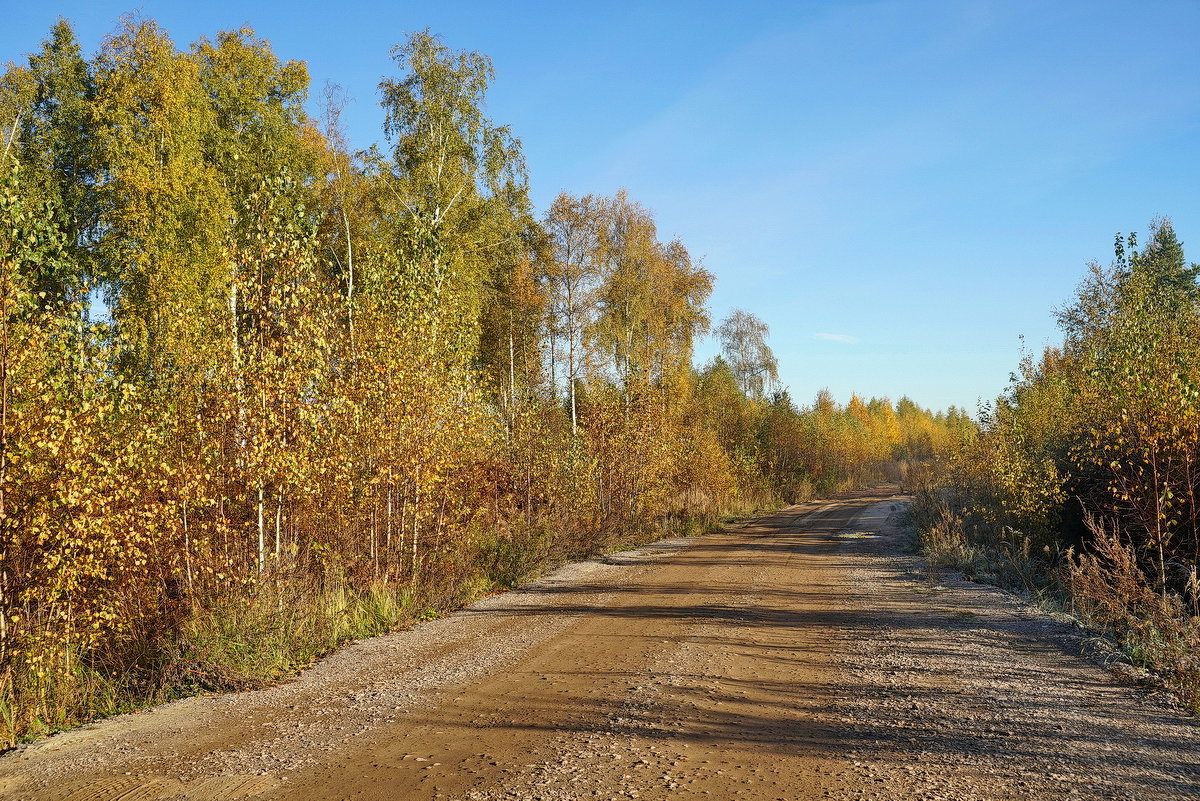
1103,587
283,624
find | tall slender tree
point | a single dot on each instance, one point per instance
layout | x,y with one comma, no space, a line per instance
744,345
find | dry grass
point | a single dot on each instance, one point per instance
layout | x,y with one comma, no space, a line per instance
1105,588
1157,629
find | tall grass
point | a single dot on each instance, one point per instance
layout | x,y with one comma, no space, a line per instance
281,625
1104,587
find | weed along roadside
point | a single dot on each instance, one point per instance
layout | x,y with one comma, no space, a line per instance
794,654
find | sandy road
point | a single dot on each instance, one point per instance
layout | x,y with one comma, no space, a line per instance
777,660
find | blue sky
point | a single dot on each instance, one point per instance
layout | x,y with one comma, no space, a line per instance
901,190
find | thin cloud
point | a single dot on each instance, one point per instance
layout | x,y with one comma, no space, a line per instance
843,338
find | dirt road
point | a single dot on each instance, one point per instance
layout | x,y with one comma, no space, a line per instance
784,659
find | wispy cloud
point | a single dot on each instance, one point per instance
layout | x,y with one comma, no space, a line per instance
843,338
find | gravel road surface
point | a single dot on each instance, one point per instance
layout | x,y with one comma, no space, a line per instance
799,655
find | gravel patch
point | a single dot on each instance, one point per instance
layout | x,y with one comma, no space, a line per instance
964,691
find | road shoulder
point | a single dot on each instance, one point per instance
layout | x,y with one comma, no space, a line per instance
962,690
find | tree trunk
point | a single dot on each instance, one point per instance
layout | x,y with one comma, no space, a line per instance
262,531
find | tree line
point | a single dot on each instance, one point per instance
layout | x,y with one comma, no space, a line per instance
261,393
1085,478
